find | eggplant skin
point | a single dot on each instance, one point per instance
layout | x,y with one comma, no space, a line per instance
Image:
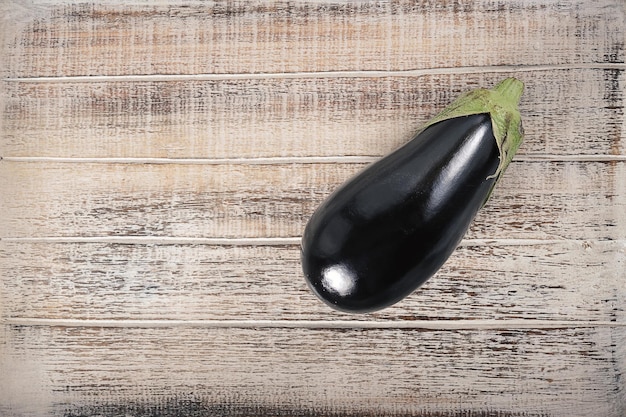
387,230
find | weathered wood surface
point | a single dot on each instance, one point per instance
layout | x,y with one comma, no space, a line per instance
160,159
196,37
536,200
116,281
296,117
309,372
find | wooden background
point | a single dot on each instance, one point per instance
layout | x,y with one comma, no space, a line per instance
160,160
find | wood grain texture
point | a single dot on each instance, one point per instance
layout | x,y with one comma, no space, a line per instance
196,37
104,281
536,200
300,117
158,162
562,372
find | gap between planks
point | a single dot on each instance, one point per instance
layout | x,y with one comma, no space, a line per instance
280,160
256,241
316,324
317,74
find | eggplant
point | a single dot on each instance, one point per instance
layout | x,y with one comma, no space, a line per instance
388,229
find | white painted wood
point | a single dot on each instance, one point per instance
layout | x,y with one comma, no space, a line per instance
172,37
560,281
160,160
535,200
330,116
392,372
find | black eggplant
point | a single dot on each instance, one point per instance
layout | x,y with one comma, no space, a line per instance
387,230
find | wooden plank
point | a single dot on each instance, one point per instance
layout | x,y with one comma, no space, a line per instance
564,281
175,37
387,372
565,113
526,319
535,200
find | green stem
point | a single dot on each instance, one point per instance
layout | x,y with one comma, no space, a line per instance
501,104
511,90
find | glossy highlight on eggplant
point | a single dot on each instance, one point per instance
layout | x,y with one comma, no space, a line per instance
387,230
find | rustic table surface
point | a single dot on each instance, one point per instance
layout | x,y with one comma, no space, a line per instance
160,160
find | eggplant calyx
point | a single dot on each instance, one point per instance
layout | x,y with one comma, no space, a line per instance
501,103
